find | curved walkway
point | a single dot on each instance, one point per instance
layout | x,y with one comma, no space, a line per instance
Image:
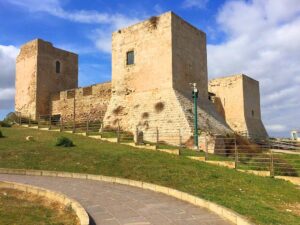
115,204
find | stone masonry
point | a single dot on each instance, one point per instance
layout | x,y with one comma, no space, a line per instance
237,99
37,78
82,103
153,64
154,92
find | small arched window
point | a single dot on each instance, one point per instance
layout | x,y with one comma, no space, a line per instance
57,67
252,112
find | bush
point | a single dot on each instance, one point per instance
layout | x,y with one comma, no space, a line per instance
11,117
64,142
1,135
5,123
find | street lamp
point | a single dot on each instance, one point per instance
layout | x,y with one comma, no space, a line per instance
195,97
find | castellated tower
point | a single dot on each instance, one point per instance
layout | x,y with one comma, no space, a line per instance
153,64
42,70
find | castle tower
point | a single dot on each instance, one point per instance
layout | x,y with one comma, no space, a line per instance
153,64
237,99
42,70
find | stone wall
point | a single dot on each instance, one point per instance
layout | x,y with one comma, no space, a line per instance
82,103
189,63
154,92
26,78
37,77
237,99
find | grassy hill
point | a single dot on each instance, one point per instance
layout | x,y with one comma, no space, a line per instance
262,199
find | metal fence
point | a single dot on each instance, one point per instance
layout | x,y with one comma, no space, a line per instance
267,157
261,158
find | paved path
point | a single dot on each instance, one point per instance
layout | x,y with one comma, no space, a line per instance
115,204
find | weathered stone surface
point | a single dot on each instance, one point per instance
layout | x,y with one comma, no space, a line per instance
87,103
37,78
153,93
238,101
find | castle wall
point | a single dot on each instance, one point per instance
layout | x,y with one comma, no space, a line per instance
82,103
154,91
189,63
238,101
26,75
252,113
153,64
48,80
37,78
151,43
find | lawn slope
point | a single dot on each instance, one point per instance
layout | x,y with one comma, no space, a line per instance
263,200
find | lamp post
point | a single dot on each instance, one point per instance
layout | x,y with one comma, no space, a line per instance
195,97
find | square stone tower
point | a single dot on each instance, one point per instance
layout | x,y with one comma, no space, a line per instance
237,99
153,64
42,70
167,52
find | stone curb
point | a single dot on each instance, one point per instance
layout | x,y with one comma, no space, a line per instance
228,214
54,196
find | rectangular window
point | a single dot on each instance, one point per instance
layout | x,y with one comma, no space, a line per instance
130,58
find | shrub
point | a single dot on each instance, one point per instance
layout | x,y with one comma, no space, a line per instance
5,123
1,135
64,142
11,117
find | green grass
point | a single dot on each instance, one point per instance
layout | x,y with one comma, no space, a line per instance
262,199
109,134
20,208
292,160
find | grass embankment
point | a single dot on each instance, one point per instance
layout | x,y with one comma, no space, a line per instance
21,208
263,200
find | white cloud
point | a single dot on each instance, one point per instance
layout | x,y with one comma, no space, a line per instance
7,75
195,4
101,38
277,128
7,94
262,40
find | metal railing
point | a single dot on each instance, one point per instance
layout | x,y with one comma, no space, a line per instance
235,152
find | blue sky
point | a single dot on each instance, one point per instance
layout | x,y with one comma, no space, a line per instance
259,38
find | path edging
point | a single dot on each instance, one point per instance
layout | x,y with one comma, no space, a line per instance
53,196
217,209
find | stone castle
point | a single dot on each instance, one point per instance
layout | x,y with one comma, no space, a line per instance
153,64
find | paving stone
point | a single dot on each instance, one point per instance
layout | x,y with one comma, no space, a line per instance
115,204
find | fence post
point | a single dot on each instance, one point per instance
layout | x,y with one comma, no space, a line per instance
20,119
157,138
61,124
236,153
206,147
118,132
50,122
29,120
271,164
101,128
87,127
74,129
136,135
38,122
